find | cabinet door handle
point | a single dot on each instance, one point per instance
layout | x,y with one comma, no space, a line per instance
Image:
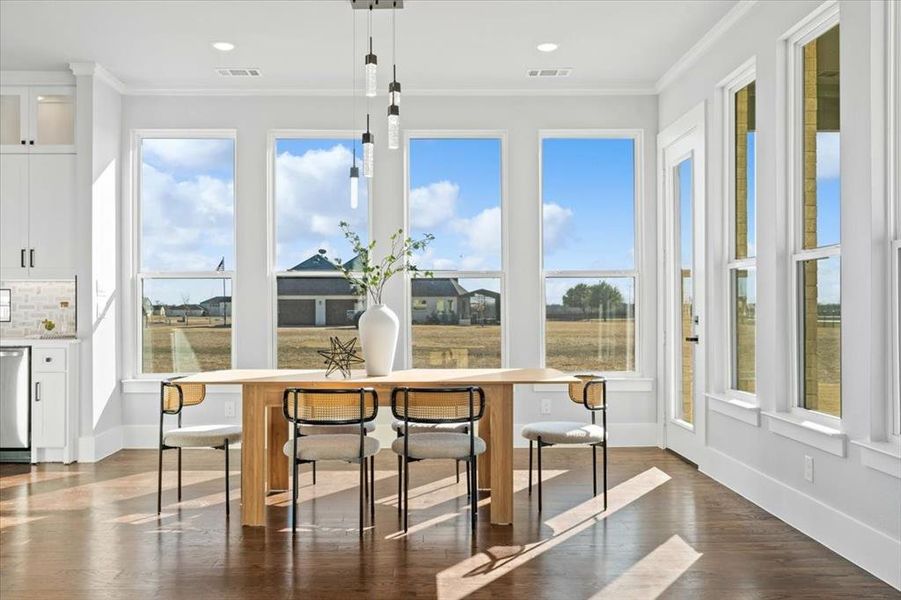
22,258
31,258
692,338
31,142
22,142
37,391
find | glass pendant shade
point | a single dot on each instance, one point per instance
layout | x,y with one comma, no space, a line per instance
368,154
354,187
394,93
370,72
393,127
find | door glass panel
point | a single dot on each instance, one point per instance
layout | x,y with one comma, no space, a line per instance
10,119
685,204
55,120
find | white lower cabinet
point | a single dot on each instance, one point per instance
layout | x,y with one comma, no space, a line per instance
54,406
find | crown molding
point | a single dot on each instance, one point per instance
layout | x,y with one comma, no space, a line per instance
36,78
704,44
642,88
100,72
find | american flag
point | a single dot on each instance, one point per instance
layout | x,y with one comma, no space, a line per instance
221,266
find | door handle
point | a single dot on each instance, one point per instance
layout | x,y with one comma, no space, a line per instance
22,258
37,391
31,258
692,338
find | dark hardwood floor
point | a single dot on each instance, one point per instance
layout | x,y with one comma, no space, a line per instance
91,531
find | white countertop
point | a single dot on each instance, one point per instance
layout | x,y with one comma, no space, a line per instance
37,341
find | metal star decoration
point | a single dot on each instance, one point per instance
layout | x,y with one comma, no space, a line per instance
340,356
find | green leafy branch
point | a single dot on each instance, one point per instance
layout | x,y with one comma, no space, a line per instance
370,277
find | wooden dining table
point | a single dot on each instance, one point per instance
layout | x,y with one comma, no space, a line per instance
265,467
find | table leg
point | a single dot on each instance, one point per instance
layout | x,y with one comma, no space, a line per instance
278,461
253,457
485,433
500,409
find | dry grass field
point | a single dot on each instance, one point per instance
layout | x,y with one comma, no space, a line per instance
202,344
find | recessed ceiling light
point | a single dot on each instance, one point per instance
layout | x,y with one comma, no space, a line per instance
223,46
547,46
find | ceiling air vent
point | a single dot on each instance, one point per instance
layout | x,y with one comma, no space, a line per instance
238,72
544,73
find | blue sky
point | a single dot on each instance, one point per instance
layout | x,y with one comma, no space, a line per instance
588,191
455,194
751,166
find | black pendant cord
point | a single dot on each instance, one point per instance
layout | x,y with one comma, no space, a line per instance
353,92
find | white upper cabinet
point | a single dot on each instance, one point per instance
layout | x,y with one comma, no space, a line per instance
37,119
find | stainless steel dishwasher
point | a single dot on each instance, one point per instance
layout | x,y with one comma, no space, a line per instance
15,404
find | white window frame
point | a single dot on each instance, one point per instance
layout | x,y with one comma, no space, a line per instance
816,24
138,276
272,235
893,175
637,137
743,76
501,275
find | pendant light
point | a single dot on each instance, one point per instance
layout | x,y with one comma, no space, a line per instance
354,170
370,65
394,90
368,150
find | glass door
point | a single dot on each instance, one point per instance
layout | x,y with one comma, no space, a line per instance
682,158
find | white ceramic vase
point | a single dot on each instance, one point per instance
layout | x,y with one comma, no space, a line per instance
378,336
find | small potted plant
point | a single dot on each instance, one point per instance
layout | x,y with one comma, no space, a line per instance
379,325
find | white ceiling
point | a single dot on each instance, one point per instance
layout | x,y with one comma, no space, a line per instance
465,45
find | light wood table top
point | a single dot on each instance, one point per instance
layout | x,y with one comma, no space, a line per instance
402,377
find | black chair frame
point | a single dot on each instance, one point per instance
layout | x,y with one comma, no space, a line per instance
594,447
365,490
172,382
471,460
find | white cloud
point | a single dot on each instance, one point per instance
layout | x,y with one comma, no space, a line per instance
482,232
828,159
556,219
433,204
186,225
196,154
312,198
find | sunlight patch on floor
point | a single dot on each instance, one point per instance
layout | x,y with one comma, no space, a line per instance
8,481
13,520
653,574
327,483
472,574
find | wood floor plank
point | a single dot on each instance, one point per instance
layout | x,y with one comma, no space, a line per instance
91,531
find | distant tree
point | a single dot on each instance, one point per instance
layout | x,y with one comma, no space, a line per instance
578,296
606,297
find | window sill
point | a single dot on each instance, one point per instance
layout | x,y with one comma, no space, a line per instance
884,457
614,384
740,410
807,432
152,386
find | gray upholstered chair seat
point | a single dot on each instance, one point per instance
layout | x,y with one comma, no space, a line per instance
438,445
368,427
333,446
202,436
398,426
564,432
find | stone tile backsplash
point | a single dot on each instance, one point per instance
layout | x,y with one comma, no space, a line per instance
33,301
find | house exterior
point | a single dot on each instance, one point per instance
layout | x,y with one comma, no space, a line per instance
218,306
317,301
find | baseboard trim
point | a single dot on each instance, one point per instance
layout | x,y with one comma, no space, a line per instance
866,547
95,448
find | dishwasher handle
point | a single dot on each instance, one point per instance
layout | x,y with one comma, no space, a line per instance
37,391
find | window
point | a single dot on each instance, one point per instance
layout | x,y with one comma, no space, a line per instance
186,251
456,193
588,200
742,264
817,250
312,197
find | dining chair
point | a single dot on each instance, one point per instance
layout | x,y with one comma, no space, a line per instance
438,406
398,427
368,427
591,392
349,407
174,397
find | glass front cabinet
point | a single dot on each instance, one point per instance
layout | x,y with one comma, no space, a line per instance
37,119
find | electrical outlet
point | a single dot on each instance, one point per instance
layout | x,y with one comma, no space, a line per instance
229,408
808,468
545,406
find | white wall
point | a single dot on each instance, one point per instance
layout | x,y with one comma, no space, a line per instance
848,506
99,120
633,405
